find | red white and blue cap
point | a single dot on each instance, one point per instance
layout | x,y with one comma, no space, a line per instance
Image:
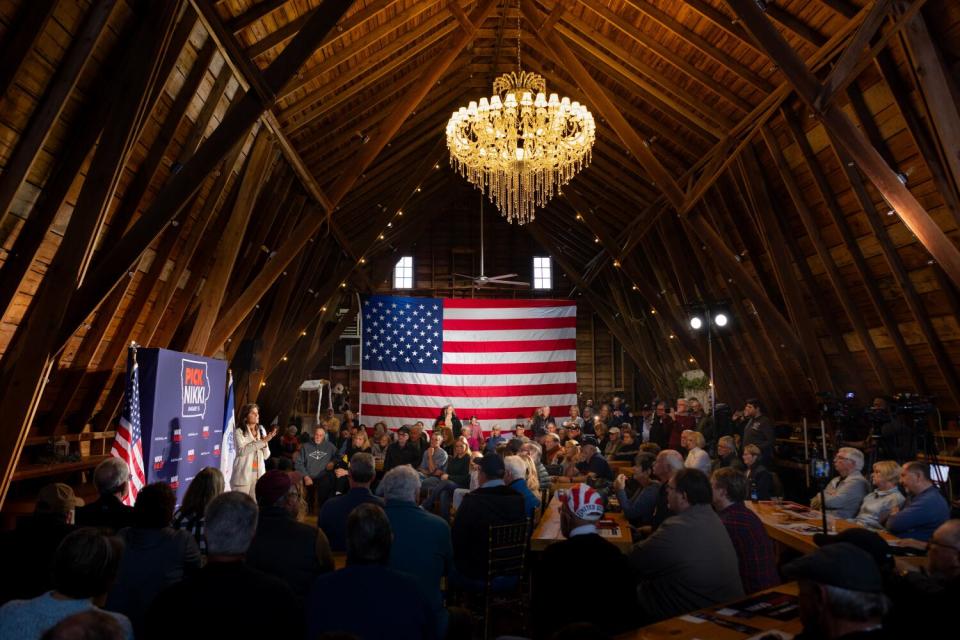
584,502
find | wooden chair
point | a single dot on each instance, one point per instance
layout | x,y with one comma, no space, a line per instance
508,546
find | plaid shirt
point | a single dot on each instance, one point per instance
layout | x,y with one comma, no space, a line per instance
755,550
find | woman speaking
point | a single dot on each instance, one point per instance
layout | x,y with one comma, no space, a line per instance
251,439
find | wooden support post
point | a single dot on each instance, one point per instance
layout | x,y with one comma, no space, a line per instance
854,142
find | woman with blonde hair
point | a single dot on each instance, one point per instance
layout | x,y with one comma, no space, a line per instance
878,504
571,456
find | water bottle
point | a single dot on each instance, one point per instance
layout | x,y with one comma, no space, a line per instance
753,491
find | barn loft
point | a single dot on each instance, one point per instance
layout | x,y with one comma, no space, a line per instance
223,176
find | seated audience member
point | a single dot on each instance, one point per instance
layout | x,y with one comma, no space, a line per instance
315,463
231,525
403,451
841,593
756,552
155,555
611,608
433,465
340,601
456,477
613,443
571,457
283,547
111,478
492,503
516,478
474,443
602,436
688,563
667,465
333,517
649,447
380,443
532,453
27,552
418,438
87,625
204,487
380,429
619,411
727,455
290,443
845,493
552,454
628,445
592,464
878,504
697,457
925,508
573,420
759,479
422,547
494,440
84,567
639,507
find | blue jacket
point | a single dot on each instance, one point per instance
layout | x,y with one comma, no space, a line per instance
530,501
920,515
333,516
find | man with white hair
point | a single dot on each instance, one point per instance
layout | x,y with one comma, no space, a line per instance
844,494
591,462
667,464
422,547
112,478
231,522
516,479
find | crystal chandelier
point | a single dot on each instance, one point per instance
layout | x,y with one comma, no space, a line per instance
519,147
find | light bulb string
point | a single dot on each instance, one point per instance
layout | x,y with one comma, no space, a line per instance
519,68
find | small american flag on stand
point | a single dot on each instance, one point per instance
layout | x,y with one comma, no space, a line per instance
128,444
495,359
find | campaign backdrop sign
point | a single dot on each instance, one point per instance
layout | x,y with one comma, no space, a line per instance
181,404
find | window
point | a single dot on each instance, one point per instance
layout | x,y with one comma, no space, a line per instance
403,273
542,273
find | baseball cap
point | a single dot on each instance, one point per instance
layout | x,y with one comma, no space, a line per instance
272,486
841,564
492,466
57,497
614,430
869,541
589,440
404,429
584,502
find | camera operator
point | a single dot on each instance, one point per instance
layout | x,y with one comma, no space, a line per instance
890,434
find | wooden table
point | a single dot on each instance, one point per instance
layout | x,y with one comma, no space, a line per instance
548,531
688,626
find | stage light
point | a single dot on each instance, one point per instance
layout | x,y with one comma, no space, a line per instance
720,319
696,322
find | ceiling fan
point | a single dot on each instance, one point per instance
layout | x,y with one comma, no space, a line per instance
484,280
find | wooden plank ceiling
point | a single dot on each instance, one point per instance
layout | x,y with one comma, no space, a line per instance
798,162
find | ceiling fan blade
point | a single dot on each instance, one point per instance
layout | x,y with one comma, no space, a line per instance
463,275
506,275
515,283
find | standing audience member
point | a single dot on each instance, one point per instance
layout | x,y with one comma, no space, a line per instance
422,547
340,601
448,418
880,503
639,508
844,494
925,509
84,567
403,451
704,423
111,477
333,515
208,600
688,563
155,556
315,463
756,552
757,430
26,553
611,608
492,503
283,547
204,487
682,421
661,427
841,593
252,441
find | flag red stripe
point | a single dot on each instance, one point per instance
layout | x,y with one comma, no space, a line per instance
430,413
481,303
563,366
454,391
507,324
509,346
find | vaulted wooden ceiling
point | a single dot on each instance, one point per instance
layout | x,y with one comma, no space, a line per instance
197,173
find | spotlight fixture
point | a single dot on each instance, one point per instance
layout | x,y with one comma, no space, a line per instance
720,320
696,322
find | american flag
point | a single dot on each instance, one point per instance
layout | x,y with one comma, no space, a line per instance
128,444
495,359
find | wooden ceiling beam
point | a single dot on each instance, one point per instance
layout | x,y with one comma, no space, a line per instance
639,148
796,25
23,31
855,143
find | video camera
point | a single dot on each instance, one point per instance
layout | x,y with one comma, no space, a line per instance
838,408
914,404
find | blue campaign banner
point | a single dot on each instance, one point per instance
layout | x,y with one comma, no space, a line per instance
181,404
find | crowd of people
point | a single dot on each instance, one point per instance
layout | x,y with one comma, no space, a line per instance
408,512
